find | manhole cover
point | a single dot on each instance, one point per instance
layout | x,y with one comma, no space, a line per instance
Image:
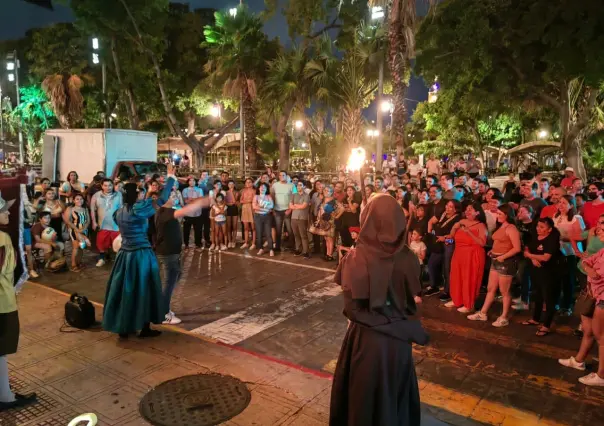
197,400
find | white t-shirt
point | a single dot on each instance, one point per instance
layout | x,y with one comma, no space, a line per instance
414,169
31,177
417,247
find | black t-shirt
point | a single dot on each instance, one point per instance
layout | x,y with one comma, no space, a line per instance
437,209
169,237
528,231
550,244
348,218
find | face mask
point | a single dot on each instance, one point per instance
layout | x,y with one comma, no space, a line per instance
592,195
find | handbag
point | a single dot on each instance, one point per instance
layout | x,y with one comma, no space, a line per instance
585,304
79,312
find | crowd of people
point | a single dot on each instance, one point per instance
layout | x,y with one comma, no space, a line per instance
536,242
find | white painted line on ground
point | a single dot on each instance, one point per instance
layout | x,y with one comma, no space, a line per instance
285,262
259,317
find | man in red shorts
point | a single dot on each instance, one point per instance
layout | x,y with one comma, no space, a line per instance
102,206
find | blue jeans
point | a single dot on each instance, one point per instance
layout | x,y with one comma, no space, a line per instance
439,267
263,228
281,218
170,274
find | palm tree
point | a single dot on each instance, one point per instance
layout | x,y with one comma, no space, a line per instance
237,47
402,23
285,89
347,85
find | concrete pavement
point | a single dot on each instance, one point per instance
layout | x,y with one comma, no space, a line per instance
287,309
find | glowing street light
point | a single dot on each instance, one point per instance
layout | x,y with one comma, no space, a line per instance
95,43
10,66
215,110
433,92
387,106
233,11
11,77
299,124
377,12
543,134
373,133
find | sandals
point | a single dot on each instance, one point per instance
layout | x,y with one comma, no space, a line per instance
542,332
530,322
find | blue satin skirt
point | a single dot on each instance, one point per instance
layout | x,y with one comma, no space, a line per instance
133,296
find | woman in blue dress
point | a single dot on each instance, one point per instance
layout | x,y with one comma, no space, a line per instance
133,298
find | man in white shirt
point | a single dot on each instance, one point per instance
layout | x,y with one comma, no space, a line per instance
190,194
433,166
31,181
282,193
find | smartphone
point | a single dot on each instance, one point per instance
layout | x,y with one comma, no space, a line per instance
449,241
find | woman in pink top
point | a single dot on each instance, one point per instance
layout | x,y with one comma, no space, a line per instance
594,267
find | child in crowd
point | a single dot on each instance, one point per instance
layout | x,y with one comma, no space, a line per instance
354,233
218,213
45,237
418,247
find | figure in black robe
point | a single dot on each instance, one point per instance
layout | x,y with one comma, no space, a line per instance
375,383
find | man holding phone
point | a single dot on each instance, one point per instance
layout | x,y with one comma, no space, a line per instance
102,206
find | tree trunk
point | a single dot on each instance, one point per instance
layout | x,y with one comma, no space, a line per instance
249,117
191,118
573,154
352,126
399,64
284,146
131,109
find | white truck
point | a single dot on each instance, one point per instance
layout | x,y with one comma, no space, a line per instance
86,151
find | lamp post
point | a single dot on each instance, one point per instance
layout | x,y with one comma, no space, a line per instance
388,106
96,59
377,14
12,66
2,127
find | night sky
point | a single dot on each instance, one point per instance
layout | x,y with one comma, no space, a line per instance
18,16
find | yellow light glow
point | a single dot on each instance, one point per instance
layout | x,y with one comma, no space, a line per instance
215,111
299,124
356,159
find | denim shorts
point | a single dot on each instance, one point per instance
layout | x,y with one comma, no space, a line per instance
509,267
27,236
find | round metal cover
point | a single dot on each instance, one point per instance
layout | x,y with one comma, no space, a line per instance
197,400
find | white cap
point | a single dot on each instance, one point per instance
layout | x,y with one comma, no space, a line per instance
569,169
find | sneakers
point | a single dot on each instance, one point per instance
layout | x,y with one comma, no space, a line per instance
520,306
478,316
212,247
501,322
223,247
592,379
253,247
171,319
100,263
306,255
572,363
260,252
33,274
271,253
517,300
463,310
445,297
450,304
244,246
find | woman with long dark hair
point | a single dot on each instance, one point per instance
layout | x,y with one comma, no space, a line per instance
571,226
467,265
374,381
506,246
134,298
543,253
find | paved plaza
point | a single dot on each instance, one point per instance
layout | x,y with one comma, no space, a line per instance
276,323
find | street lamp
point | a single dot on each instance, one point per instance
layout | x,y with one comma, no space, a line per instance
433,92
96,59
299,124
377,12
233,11
13,65
543,134
373,133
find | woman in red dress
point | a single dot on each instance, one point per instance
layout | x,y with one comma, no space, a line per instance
467,265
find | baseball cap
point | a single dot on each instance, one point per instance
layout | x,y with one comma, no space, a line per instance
569,169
